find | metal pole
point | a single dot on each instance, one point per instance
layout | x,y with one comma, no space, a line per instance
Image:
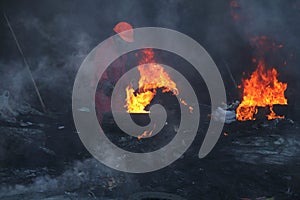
25,62
230,74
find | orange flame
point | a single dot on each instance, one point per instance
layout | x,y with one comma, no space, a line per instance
191,109
261,89
146,133
152,77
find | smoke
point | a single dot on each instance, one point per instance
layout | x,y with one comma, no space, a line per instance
80,177
57,36
168,14
56,45
266,17
276,20
54,56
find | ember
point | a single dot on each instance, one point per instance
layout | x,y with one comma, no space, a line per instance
146,134
234,5
261,89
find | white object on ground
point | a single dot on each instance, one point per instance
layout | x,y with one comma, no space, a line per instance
218,114
84,109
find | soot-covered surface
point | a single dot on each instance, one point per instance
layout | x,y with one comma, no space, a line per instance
251,160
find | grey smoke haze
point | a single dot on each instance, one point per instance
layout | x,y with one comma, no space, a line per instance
56,36
85,175
56,44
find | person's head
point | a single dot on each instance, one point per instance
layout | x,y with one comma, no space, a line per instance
125,31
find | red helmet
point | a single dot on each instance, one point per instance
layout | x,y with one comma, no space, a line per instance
125,31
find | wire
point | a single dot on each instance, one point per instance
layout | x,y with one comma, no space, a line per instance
25,62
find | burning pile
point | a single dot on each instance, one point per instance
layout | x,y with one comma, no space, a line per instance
262,89
152,77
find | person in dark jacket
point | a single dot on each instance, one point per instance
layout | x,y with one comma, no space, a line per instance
114,72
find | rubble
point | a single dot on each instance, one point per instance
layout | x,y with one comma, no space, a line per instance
247,146
155,195
23,146
9,113
6,112
268,142
79,182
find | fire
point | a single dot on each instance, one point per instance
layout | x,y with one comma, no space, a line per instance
261,89
152,77
146,133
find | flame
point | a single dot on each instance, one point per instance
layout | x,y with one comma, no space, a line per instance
191,109
152,77
146,133
261,89
183,102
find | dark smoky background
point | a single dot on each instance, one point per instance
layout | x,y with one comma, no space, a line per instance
56,36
